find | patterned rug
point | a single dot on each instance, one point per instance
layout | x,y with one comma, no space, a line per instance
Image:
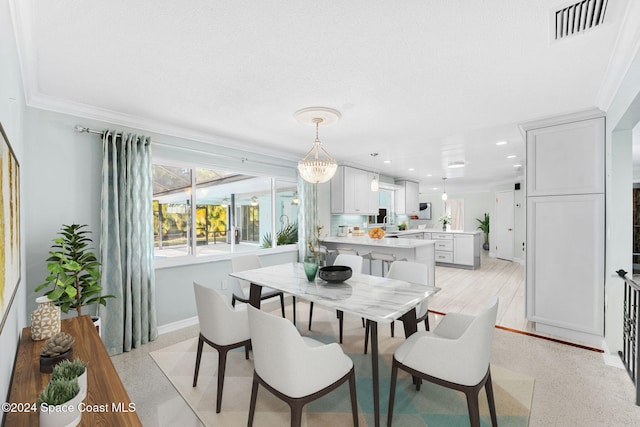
432,406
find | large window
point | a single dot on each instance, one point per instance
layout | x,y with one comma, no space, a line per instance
200,211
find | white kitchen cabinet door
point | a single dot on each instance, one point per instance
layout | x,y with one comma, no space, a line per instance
566,159
565,262
351,192
407,198
463,249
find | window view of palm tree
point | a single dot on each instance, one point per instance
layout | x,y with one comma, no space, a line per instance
200,211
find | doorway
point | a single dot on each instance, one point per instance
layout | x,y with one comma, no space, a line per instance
503,225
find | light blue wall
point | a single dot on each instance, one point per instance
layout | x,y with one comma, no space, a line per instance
12,110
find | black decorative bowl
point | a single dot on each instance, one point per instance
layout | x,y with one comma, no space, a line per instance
335,273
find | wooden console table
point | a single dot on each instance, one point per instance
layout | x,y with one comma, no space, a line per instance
107,402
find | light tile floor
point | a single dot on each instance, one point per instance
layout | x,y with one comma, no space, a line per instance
573,386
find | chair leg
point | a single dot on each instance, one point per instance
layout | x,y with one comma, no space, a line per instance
296,414
488,386
392,392
294,310
473,406
222,362
254,396
354,400
198,357
426,322
366,337
393,329
310,313
362,321
246,352
282,304
341,323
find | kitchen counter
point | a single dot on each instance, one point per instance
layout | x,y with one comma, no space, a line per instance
385,242
416,250
428,230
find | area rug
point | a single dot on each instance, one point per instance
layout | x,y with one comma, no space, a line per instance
431,406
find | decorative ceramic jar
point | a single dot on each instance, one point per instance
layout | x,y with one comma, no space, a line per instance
45,320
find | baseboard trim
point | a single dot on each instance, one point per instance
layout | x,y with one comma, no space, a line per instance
531,334
176,326
611,359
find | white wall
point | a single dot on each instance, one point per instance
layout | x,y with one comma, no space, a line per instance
12,108
622,116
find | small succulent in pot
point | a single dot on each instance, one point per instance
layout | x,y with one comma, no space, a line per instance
54,350
59,391
68,369
58,344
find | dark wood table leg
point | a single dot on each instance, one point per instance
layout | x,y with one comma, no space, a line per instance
255,291
373,328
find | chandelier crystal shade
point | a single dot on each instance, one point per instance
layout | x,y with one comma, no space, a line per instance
317,166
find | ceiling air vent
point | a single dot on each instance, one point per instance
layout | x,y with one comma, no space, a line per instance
578,17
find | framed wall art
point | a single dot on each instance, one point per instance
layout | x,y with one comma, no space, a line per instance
9,226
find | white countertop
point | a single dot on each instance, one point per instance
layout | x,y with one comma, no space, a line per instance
432,230
385,242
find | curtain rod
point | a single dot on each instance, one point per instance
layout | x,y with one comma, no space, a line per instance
83,129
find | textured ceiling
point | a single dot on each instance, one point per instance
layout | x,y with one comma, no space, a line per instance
421,82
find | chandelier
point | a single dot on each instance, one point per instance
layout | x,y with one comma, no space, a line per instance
317,166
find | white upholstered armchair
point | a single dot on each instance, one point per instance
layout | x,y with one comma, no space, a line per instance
295,369
222,327
455,355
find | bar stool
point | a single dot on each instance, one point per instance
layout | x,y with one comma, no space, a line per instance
385,259
347,251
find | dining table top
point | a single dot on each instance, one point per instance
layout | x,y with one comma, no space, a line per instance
380,299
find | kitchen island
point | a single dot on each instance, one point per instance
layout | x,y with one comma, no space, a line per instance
457,248
417,250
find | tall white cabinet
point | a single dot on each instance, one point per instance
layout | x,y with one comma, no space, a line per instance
565,226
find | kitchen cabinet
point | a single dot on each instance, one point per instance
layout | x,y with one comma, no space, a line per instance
351,192
463,249
457,249
565,226
407,198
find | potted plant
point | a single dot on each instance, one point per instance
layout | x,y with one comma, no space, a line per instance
445,220
484,226
56,349
74,271
69,370
59,403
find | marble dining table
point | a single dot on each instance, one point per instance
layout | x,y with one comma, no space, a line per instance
377,299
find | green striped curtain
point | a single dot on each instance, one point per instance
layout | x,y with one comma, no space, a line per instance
126,242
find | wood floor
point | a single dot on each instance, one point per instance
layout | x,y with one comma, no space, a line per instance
468,290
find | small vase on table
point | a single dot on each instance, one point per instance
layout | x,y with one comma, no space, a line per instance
311,267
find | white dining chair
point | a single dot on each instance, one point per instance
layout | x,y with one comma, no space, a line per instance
223,327
355,263
455,355
240,293
413,272
295,369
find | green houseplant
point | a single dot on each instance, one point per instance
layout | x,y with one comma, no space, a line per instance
74,271
484,226
56,400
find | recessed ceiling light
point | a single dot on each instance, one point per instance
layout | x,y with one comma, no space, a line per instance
501,142
513,156
454,165
429,175
387,161
434,188
517,166
411,169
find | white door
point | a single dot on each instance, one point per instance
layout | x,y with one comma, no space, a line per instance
502,227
